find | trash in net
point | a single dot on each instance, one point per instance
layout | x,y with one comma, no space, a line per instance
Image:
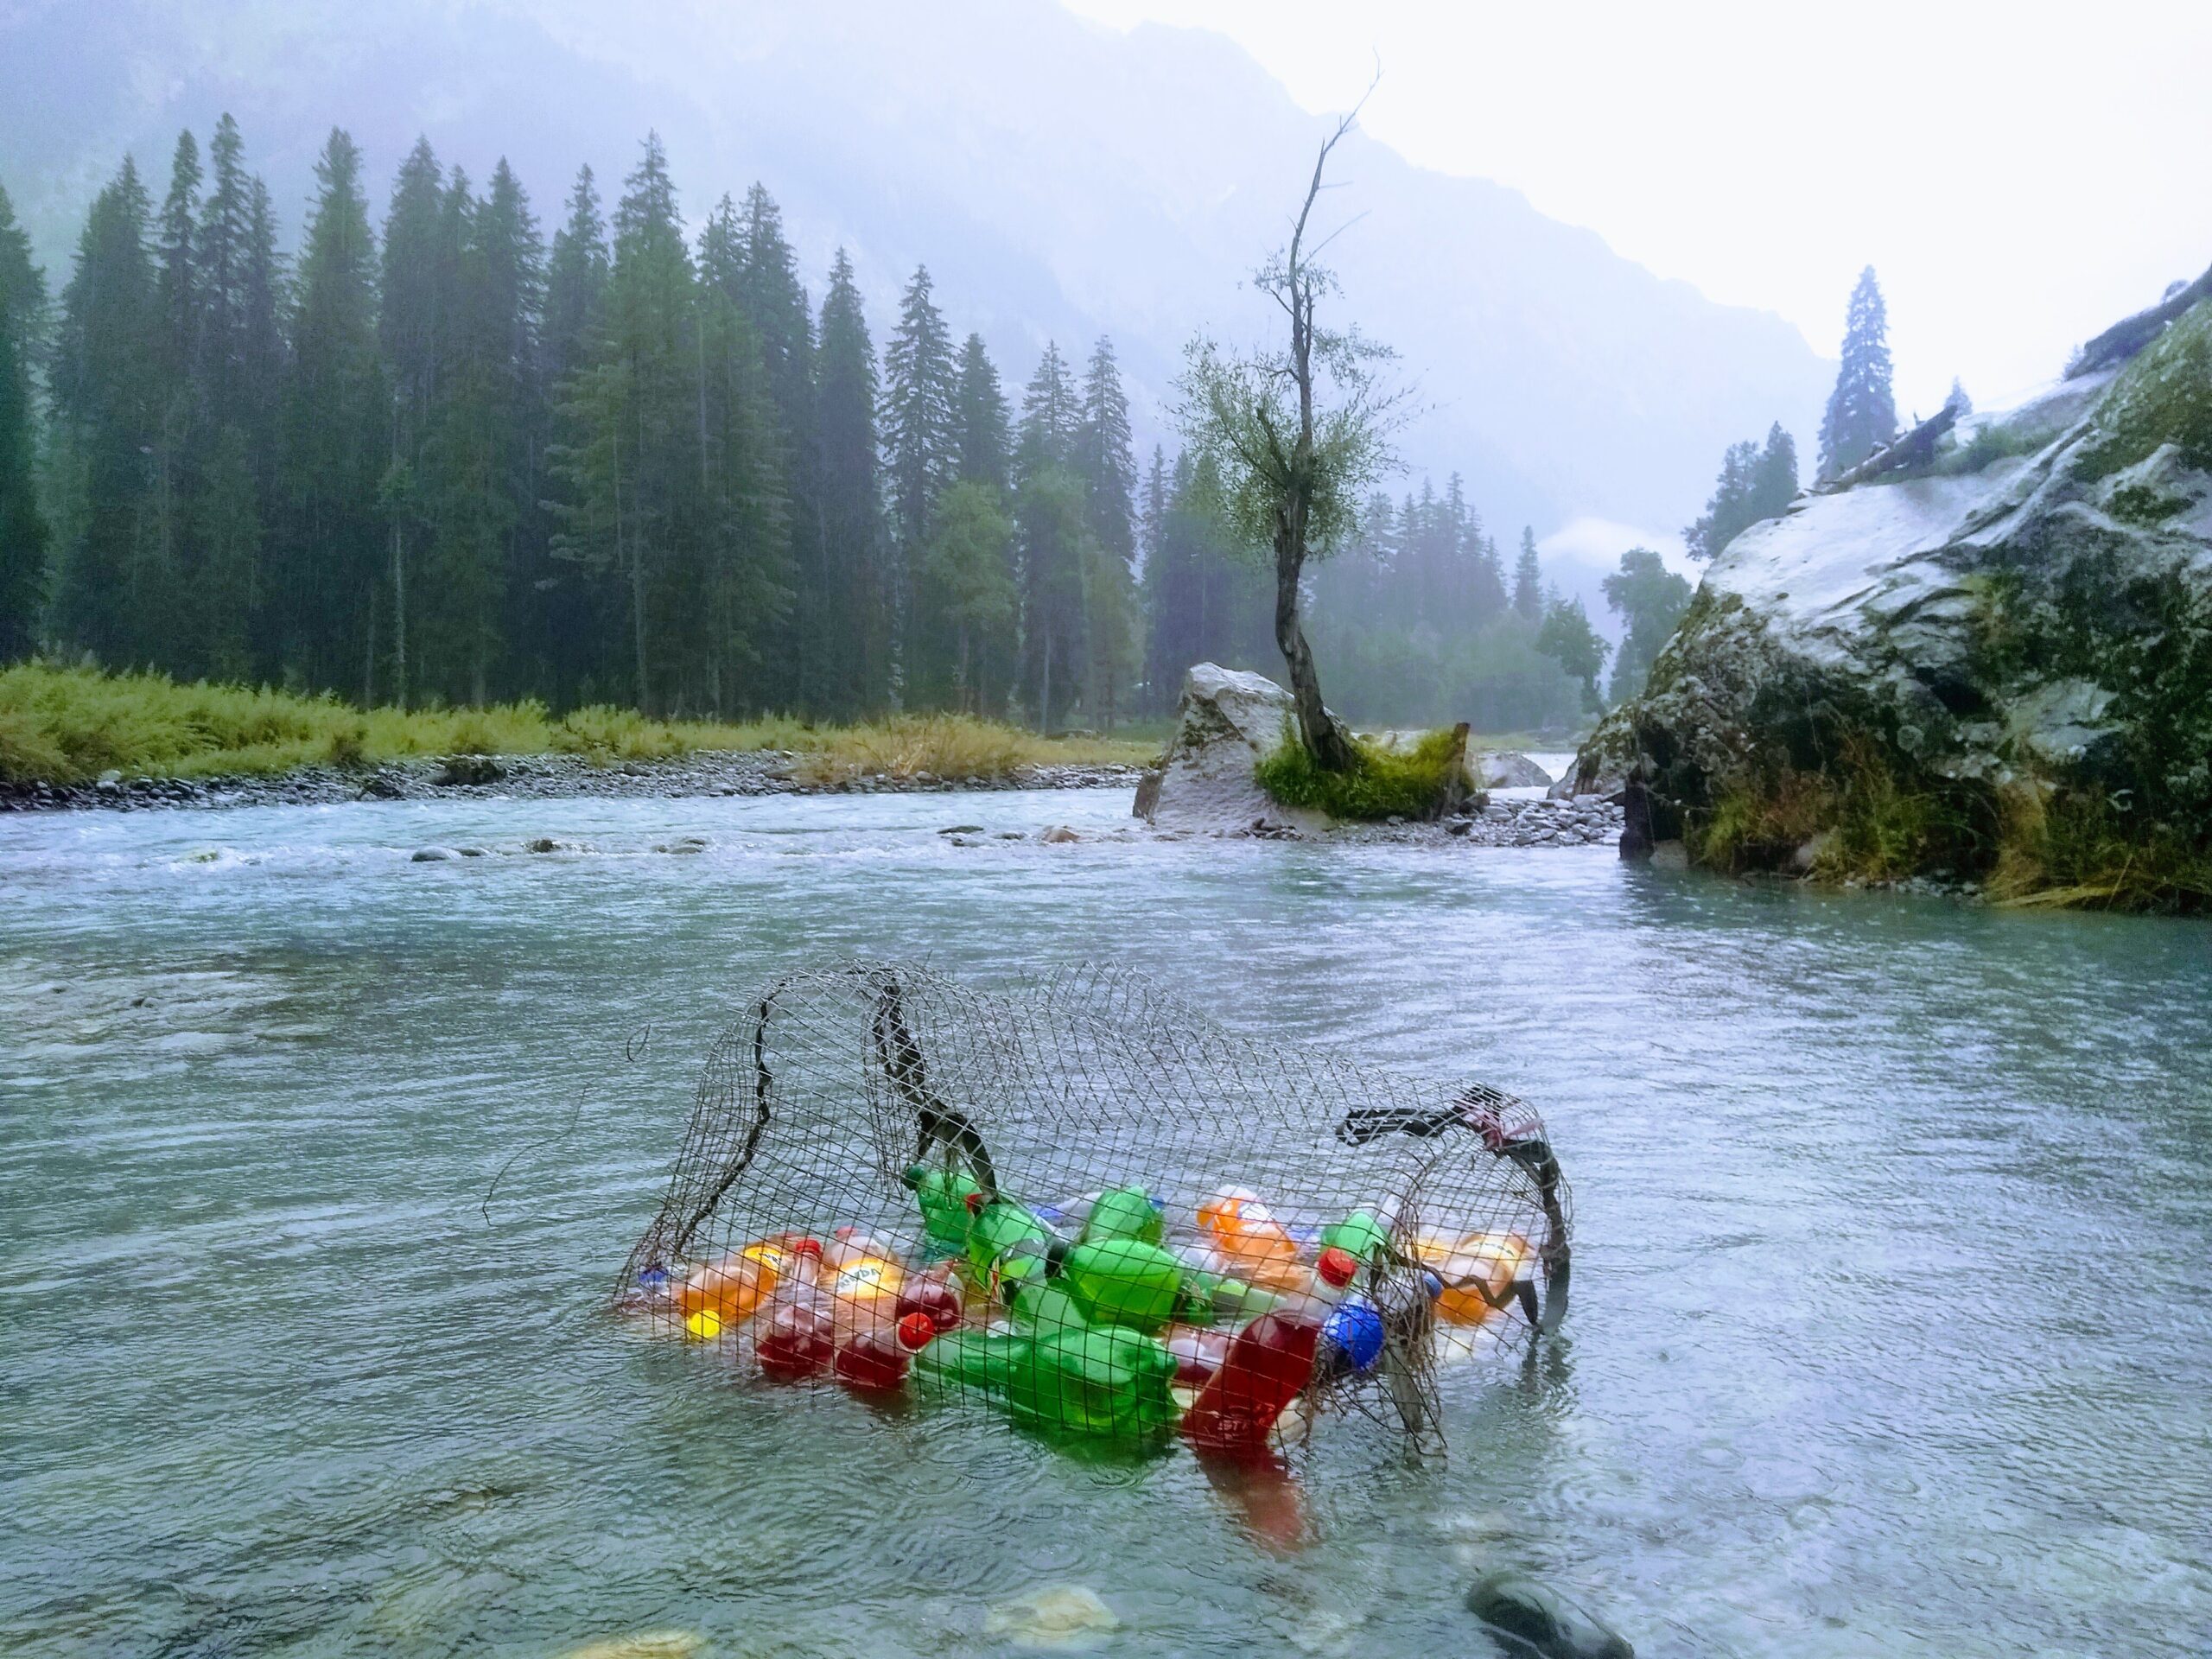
1094,1208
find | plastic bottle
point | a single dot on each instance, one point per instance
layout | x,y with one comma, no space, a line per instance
800,1336
1122,1212
1054,1371
935,1296
733,1288
1251,1242
1122,1281
860,1281
1270,1361
874,1362
1470,1265
1362,1236
1208,1296
943,1195
1006,1242
1198,1353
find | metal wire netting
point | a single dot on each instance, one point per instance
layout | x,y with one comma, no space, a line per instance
1093,1206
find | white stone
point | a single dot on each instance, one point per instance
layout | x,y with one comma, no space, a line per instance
1228,723
1058,1616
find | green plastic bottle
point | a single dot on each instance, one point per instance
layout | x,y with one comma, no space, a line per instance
1055,1372
1209,1299
943,1195
1006,1236
1123,1281
1360,1235
1122,1212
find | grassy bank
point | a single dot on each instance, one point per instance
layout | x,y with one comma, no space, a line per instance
69,724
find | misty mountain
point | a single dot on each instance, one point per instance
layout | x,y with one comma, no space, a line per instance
1059,179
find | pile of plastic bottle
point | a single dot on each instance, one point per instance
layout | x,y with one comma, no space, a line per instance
1088,1317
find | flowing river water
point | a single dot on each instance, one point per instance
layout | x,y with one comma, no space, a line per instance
1892,1330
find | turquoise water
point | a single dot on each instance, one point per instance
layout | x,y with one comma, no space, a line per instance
1893,1328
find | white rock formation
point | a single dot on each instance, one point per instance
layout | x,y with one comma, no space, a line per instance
1228,723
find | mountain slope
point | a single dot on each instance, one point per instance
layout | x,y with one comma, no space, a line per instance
1059,179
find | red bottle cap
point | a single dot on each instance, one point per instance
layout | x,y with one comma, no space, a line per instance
1337,1267
975,1203
915,1331
808,1247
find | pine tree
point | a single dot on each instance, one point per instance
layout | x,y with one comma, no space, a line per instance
1528,580
1862,415
422,242
742,460
1568,639
968,567
23,534
1958,399
323,573
1756,483
634,494
854,665
1051,417
1102,456
104,393
168,575
921,451
226,525
982,438
775,302
505,308
569,600
1058,556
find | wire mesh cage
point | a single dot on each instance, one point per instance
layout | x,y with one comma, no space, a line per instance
1093,1207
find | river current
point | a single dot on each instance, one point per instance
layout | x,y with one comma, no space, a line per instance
1892,1330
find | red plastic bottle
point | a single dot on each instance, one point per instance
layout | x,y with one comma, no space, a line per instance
1270,1361
800,1338
874,1362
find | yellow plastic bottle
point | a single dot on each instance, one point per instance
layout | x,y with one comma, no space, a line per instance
863,1281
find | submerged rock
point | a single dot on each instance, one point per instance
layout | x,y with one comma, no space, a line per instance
1058,834
1538,1620
2005,647
1228,723
433,856
642,1644
1056,1617
464,770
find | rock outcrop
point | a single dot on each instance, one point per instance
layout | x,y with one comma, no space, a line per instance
1996,662
1510,769
1227,723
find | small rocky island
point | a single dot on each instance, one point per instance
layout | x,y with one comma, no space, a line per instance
1985,655
1230,721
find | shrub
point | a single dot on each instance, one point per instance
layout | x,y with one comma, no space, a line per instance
1413,783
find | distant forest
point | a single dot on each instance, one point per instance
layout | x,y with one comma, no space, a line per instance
455,461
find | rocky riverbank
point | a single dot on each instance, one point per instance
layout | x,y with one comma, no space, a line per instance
537,777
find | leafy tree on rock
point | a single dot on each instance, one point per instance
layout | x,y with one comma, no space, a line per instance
1862,414
1568,638
1650,599
1297,435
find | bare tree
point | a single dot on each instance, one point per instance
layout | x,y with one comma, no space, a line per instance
1297,435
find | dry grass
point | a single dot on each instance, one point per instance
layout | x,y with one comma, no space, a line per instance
69,724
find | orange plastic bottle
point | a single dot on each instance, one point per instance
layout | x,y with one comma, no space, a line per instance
733,1288
1252,1243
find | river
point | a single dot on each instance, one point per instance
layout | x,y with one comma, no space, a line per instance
1893,1329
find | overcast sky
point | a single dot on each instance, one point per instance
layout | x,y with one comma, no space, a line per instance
2019,175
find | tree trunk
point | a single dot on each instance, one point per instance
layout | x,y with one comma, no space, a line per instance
1044,691
1325,739
398,618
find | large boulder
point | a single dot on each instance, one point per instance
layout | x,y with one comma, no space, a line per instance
1510,769
1227,723
1992,660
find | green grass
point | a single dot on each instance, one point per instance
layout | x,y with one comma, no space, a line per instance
1867,821
2163,395
68,725
1412,782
